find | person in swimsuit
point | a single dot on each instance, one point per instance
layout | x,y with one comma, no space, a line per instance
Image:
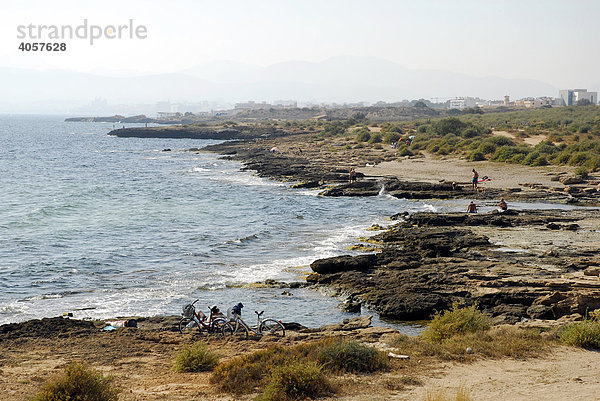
472,208
475,179
502,206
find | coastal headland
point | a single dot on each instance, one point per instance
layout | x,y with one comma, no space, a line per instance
526,268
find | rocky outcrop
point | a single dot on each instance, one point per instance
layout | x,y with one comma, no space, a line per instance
429,261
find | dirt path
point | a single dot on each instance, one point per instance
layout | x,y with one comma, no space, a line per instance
568,374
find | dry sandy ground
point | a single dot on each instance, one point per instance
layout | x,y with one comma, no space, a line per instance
142,366
432,169
567,374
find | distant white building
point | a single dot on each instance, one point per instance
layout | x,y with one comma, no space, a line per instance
462,103
570,97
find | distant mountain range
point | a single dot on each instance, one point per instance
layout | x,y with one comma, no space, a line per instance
338,79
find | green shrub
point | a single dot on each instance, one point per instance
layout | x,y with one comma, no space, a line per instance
584,334
391,137
195,358
469,132
505,153
244,374
363,135
540,161
487,148
375,138
404,151
517,159
476,156
353,357
450,125
79,383
296,381
582,171
456,321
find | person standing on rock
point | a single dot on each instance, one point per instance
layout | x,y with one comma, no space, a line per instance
352,175
475,179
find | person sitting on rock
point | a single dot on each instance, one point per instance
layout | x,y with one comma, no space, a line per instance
502,206
472,208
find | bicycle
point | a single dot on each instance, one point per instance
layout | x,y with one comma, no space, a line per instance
214,323
268,326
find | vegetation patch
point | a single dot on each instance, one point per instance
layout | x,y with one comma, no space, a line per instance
296,381
352,357
585,334
497,342
81,383
196,358
462,394
456,321
253,372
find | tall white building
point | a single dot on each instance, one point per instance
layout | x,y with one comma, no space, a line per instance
570,97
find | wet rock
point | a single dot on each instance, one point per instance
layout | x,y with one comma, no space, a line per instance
47,327
309,184
350,305
343,263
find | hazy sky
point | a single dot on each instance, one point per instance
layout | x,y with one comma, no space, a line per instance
554,41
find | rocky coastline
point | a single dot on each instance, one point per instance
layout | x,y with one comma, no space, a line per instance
427,261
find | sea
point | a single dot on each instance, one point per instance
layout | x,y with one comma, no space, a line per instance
103,227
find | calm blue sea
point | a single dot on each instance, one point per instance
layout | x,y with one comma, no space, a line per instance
103,227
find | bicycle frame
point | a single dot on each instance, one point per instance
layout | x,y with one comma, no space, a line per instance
238,321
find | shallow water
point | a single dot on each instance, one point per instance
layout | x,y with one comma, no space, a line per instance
103,227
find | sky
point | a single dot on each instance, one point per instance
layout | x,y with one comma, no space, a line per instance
552,41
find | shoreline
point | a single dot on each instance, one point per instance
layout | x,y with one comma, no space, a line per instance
452,245
463,251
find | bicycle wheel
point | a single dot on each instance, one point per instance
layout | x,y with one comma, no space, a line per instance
272,326
187,326
221,327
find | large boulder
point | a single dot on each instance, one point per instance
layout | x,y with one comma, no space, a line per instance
569,180
343,263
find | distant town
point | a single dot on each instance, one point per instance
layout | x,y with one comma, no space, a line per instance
166,110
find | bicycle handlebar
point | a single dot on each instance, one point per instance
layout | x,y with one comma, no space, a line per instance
259,313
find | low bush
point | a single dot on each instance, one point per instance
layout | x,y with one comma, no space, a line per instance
476,156
456,321
375,138
79,383
391,137
497,342
296,381
195,358
363,135
247,373
352,357
404,151
584,334
244,374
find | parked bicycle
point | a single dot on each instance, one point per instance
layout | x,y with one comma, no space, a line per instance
215,322
264,326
